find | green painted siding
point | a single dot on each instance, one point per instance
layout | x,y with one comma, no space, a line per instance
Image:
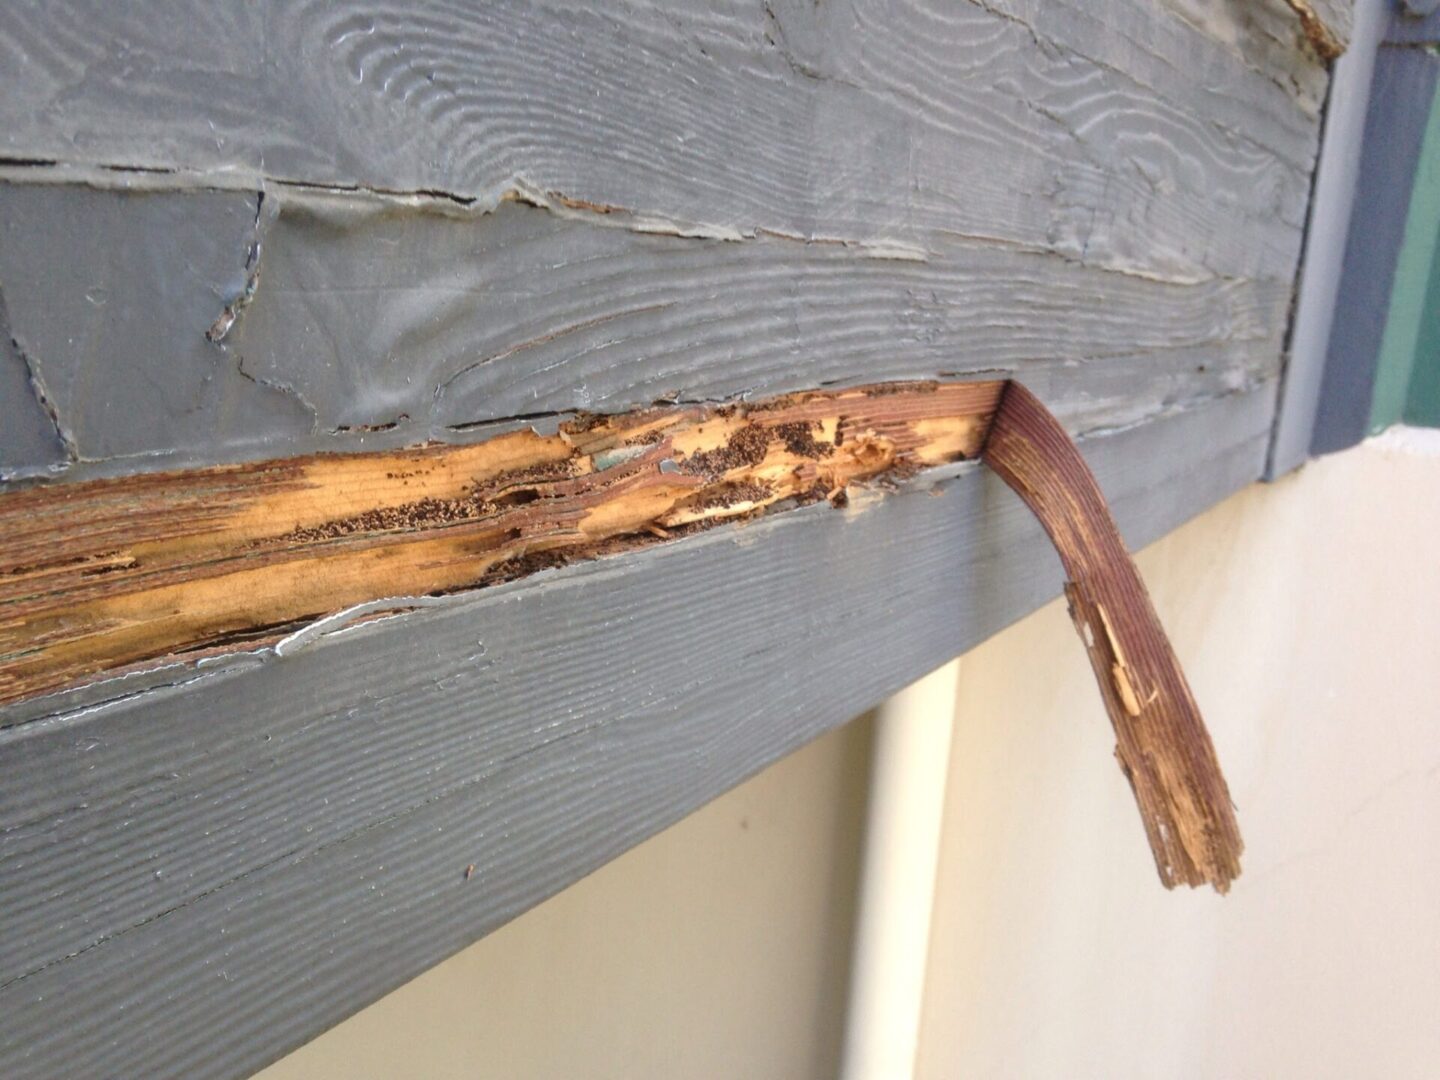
1422,402
1407,381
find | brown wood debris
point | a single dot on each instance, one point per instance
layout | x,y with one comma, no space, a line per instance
1162,745
1322,39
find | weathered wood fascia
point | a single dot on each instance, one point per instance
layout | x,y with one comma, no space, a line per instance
396,238
613,319
102,577
204,867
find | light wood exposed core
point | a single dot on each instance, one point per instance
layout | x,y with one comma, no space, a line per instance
102,576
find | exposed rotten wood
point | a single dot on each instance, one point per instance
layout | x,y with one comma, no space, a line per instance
1163,747
100,576
1321,36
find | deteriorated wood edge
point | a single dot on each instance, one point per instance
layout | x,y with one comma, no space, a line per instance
1322,39
99,577
1162,744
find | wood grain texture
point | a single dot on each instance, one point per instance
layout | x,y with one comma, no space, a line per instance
1163,747
860,121
1339,19
444,221
447,216
102,576
1267,35
207,866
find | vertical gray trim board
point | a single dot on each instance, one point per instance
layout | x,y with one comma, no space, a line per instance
1399,108
1417,23
1325,240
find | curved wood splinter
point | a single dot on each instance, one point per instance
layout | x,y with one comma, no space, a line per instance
1162,745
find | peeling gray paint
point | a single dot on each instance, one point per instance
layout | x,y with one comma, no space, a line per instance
232,311
358,322
111,295
33,444
692,201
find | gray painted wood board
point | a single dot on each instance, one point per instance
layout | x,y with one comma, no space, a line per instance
426,324
861,121
720,198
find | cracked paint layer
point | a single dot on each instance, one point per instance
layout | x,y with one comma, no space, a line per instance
379,326
111,295
231,312
35,443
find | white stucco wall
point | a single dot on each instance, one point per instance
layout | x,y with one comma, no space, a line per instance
717,949
1307,614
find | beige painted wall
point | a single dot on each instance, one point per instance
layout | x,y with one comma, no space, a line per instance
718,948
1308,616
